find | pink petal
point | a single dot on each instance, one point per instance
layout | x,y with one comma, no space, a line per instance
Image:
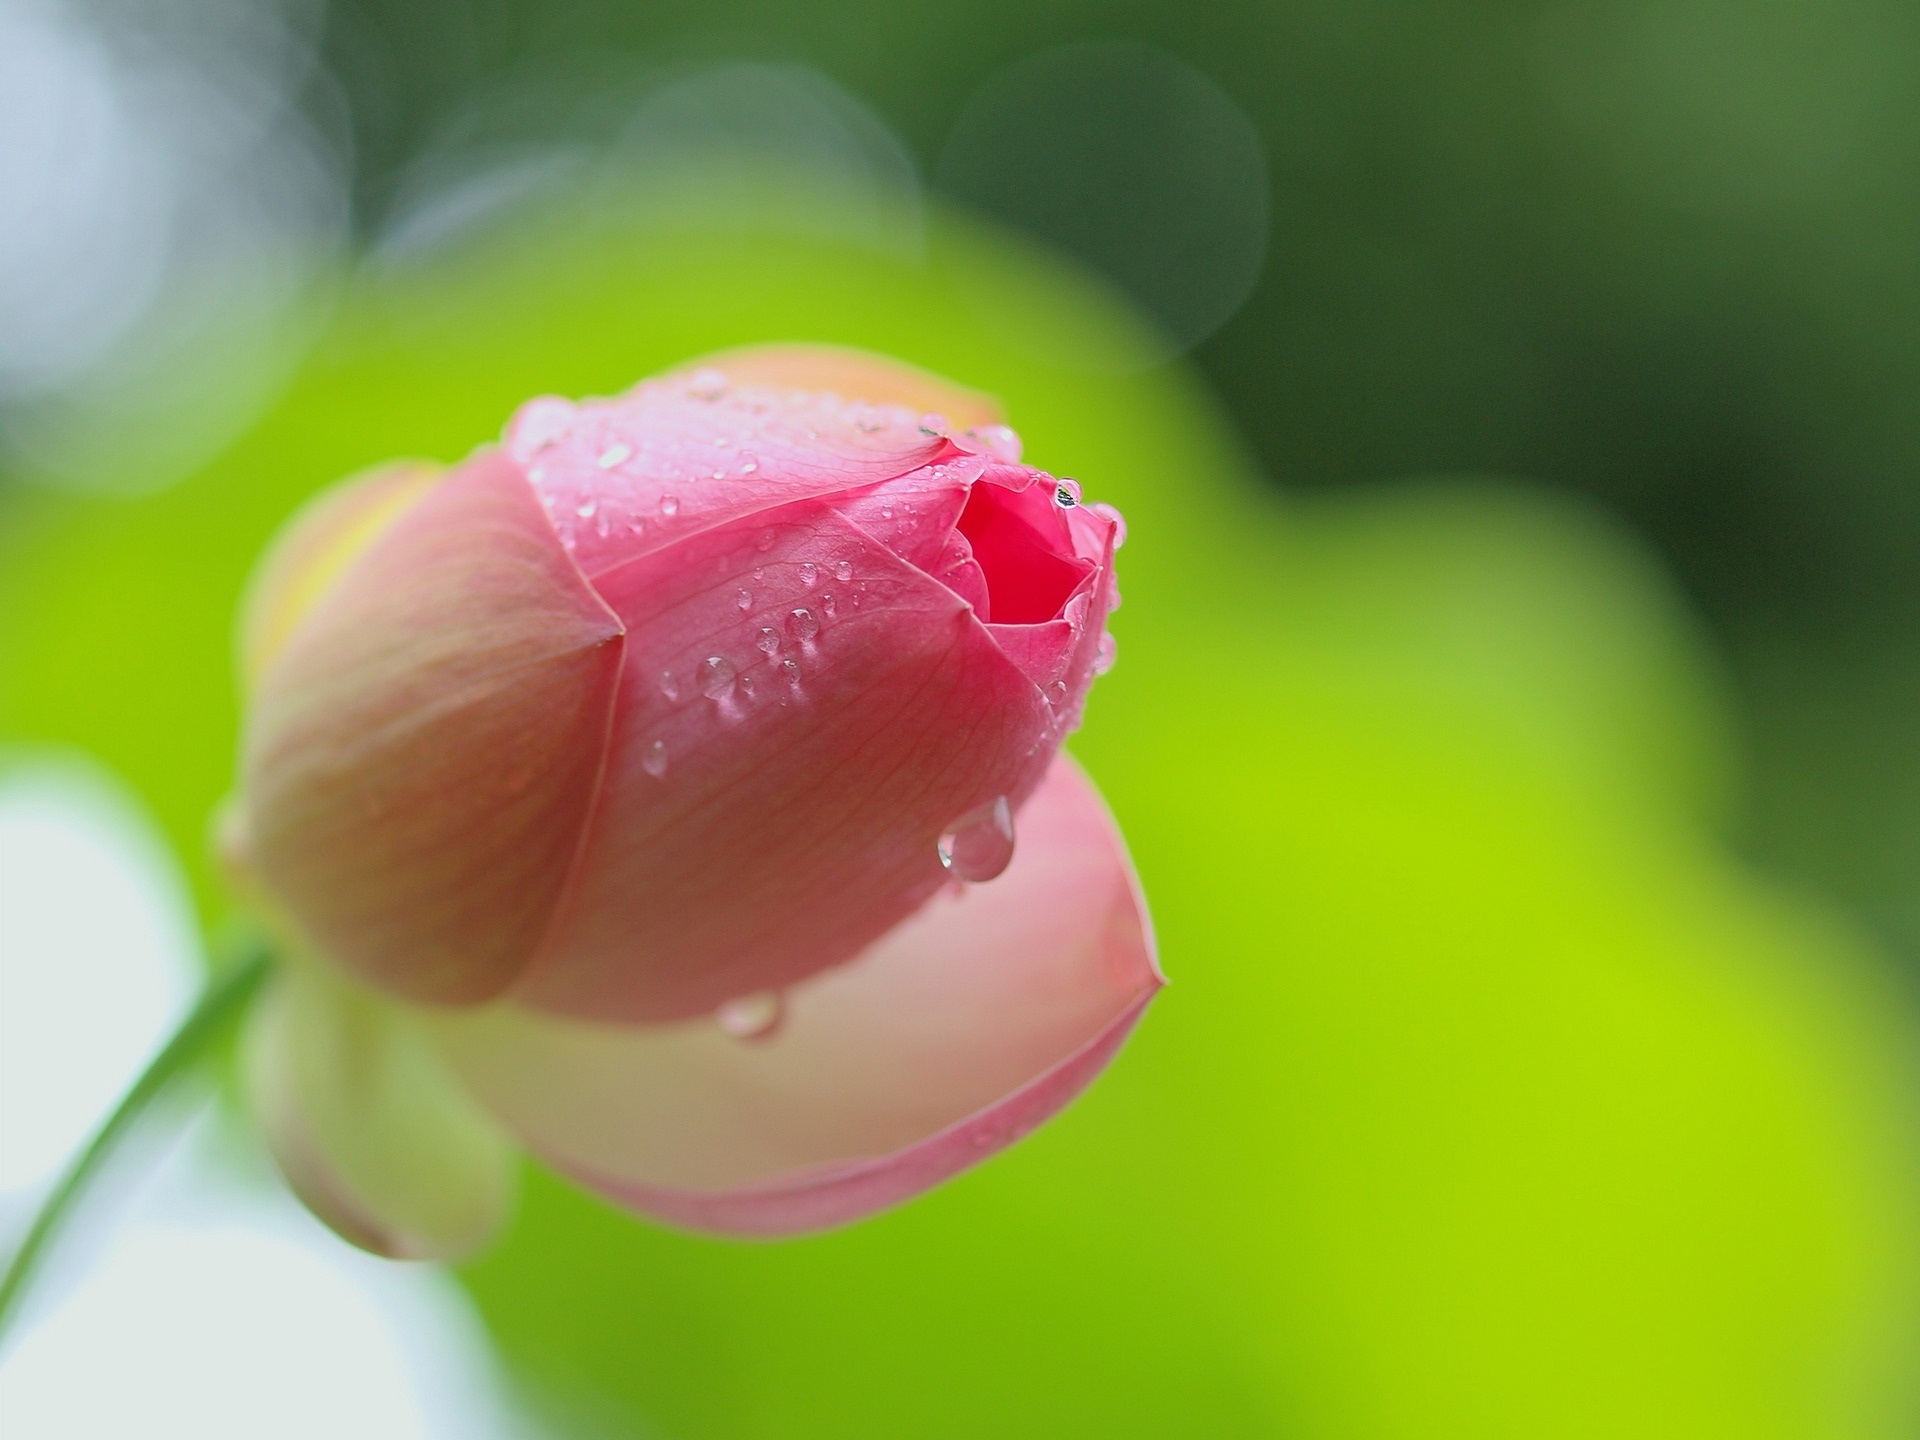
424,753
856,375
314,547
677,456
801,716
950,1038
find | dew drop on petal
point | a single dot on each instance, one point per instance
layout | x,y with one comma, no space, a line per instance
669,686
613,455
1107,512
752,1017
585,509
748,686
1067,494
707,385
748,464
933,425
886,512
669,506
744,600
843,570
802,625
809,574
979,845
827,607
716,675
654,760
1109,652
765,542
791,669
769,641
1056,694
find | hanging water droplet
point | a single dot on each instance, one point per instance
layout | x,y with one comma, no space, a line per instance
843,570
669,686
827,607
802,626
744,600
1109,652
654,760
585,509
614,455
979,845
706,385
1067,494
1056,694
809,574
769,641
933,425
715,676
669,506
752,1017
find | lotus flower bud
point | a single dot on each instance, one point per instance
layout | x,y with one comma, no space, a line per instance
657,771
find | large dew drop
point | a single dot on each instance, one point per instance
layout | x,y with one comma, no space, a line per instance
979,845
752,1017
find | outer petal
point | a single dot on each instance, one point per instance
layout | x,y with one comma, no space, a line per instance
856,375
680,455
368,1127
425,752
789,747
952,1037
314,547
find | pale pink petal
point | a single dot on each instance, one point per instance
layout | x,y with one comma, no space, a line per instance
801,716
422,756
367,1125
861,375
954,1035
314,547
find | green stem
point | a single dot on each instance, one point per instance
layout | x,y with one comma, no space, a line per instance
220,1004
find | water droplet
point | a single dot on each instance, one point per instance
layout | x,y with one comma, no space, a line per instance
933,425
669,506
715,676
719,475
752,1017
706,385
585,509
669,686
843,570
769,641
613,455
748,686
654,761
538,474
1109,652
979,845
802,626
1067,494
1056,694
809,574
744,600
765,542
791,669
1119,522
748,464
603,526
886,512
827,607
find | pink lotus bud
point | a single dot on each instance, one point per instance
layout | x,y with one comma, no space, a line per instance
663,708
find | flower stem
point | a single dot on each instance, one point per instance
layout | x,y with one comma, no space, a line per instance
221,1003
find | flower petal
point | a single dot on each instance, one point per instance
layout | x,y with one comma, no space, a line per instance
853,375
314,547
788,748
423,755
367,1125
952,1037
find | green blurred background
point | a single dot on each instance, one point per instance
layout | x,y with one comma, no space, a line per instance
1512,407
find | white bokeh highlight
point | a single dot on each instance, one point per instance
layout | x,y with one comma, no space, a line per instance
207,1304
